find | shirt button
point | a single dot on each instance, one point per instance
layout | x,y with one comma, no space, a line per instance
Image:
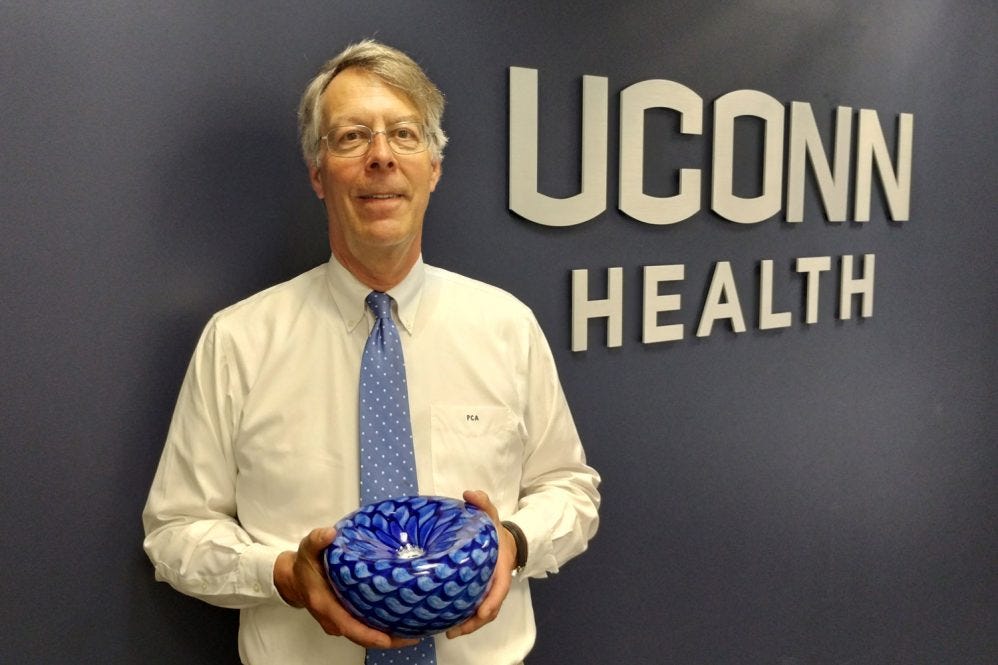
256,587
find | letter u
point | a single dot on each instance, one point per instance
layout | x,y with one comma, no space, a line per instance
524,199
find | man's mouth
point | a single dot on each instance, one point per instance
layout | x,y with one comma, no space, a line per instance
380,197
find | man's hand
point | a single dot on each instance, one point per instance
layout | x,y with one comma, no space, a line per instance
501,578
301,582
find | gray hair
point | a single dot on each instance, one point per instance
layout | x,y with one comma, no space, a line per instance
390,65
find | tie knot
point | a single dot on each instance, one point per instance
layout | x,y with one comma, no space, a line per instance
380,304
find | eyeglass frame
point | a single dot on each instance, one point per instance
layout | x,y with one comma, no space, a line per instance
370,141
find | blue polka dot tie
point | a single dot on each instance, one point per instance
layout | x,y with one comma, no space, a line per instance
387,463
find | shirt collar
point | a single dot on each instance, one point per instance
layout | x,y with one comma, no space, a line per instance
350,294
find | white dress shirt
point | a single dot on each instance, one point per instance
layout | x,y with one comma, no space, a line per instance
263,448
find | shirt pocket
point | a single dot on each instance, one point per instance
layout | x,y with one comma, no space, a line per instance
476,447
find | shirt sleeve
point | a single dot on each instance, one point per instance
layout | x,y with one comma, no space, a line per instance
559,501
192,534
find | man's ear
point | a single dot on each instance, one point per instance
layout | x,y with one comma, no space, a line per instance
437,172
315,178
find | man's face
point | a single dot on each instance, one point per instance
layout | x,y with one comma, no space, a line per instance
375,203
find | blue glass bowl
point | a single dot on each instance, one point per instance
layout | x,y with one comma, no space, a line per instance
412,566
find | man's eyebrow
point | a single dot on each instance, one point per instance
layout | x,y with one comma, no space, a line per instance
356,120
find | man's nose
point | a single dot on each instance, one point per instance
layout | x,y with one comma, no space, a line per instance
380,153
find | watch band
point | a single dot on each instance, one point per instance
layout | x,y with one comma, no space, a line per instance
521,545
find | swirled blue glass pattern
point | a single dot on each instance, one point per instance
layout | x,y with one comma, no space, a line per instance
412,566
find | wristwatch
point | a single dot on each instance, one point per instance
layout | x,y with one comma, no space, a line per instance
521,545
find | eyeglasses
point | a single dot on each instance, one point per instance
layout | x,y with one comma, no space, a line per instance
404,138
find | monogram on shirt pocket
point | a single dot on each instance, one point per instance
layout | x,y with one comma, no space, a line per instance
475,447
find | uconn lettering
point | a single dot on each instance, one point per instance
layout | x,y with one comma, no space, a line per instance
789,150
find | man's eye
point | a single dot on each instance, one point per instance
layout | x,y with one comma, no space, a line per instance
350,136
407,133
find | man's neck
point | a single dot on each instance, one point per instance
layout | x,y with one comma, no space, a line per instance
381,272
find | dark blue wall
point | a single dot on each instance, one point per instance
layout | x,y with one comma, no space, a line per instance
821,494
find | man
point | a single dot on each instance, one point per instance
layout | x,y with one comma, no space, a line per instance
262,453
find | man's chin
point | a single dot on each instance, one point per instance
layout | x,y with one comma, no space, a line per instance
388,241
